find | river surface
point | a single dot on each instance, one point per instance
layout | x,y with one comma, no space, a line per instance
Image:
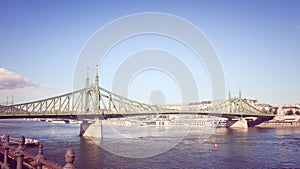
237,148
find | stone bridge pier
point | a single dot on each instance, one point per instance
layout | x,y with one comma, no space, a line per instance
237,123
245,122
91,128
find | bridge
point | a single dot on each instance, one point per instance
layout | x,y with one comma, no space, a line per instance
94,101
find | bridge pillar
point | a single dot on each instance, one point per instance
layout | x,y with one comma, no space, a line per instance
259,120
239,123
91,128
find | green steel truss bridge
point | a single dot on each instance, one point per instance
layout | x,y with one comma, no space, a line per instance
96,102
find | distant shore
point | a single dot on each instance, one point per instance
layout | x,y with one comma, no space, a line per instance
277,124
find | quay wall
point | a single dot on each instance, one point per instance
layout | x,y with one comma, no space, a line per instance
276,124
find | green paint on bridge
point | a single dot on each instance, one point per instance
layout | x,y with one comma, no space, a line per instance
94,101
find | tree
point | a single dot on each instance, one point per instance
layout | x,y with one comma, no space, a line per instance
289,112
264,110
275,111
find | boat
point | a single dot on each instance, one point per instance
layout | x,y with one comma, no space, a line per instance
222,124
162,121
168,121
58,121
75,122
29,142
157,123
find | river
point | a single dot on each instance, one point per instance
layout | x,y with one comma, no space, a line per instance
237,148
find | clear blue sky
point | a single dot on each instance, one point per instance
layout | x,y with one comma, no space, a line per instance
258,42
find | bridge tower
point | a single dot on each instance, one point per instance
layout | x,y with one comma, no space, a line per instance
87,80
92,97
87,85
97,92
93,129
240,101
230,101
241,122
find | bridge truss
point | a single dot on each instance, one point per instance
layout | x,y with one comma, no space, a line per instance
91,100
95,100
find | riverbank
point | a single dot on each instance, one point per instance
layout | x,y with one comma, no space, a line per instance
278,124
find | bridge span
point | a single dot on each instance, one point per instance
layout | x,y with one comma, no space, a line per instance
94,101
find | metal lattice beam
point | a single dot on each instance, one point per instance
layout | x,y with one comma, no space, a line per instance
97,100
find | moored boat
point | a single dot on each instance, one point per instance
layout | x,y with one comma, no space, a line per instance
29,142
58,121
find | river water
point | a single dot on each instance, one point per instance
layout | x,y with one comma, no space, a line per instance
237,148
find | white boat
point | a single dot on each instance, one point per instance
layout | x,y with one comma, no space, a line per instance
75,122
157,123
29,142
165,121
58,121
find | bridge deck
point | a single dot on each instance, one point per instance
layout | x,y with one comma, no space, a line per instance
120,115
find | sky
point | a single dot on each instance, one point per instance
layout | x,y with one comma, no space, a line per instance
257,42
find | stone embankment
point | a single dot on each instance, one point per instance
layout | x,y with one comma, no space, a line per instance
279,124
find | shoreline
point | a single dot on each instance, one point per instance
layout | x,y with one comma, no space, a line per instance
276,124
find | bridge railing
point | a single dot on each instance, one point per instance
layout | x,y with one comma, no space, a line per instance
26,160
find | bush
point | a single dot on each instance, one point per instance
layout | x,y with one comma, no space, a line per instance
289,113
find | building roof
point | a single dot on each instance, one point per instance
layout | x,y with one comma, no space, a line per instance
290,107
200,103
